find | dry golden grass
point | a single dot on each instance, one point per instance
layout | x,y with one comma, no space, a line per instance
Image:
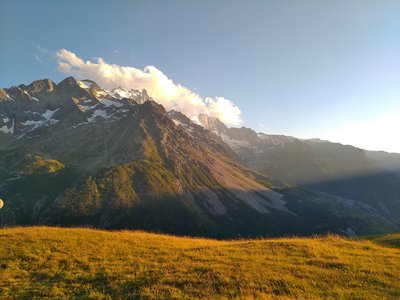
43,262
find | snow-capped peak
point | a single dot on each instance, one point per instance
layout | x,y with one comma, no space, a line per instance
120,93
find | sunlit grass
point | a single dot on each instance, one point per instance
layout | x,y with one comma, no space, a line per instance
59,262
41,165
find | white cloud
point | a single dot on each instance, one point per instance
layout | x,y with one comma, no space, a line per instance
40,52
38,58
41,49
161,88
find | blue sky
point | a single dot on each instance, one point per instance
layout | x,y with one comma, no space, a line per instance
327,69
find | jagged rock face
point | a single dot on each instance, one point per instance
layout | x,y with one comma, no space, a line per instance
38,87
212,123
26,111
74,153
249,145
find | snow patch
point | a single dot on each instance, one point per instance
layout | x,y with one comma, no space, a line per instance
179,123
6,120
6,130
102,114
77,125
35,124
120,93
53,121
31,112
35,99
108,103
98,113
49,113
236,145
30,122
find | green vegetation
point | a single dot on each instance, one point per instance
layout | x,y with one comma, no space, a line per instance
389,240
29,191
117,189
42,165
40,262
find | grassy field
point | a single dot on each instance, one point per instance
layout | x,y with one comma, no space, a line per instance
40,262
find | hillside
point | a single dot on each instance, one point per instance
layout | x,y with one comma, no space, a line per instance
352,176
76,154
389,240
39,262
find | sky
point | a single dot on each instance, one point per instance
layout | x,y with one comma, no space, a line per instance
309,69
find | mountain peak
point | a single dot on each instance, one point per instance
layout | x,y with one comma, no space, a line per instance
16,92
69,81
212,123
39,87
72,87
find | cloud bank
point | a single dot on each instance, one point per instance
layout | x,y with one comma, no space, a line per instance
161,88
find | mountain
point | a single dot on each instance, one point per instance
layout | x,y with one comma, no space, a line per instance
352,175
76,154
387,161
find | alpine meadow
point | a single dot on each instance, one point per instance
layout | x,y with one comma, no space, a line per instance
199,149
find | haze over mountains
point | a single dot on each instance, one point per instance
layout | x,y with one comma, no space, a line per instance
74,153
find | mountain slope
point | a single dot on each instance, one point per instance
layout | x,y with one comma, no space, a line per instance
388,161
76,154
124,165
352,176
